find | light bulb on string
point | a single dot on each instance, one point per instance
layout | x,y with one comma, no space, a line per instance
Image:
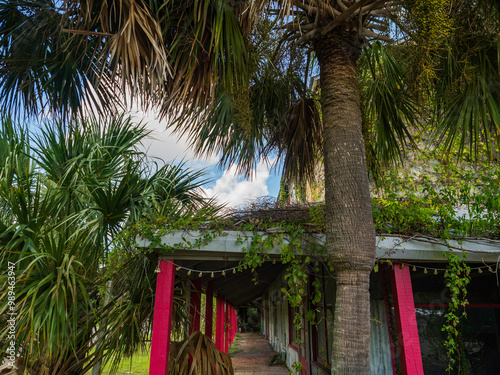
223,273
212,275
189,273
425,270
480,270
234,270
414,269
435,272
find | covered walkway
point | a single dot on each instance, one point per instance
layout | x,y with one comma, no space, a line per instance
255,355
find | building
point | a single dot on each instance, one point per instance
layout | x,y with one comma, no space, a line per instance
409,300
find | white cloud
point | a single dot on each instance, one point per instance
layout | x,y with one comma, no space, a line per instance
230,188
163,144
235,190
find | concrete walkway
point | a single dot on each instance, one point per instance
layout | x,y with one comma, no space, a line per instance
254,356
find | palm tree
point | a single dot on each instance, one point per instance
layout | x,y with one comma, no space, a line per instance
198,57
64,202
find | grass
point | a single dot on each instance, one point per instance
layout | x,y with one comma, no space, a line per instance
138,364
235,345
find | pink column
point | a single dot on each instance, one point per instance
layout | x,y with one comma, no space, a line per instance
404,307
230,326
234,323
162,318
195,306
219,324
209,309
226,328
235,318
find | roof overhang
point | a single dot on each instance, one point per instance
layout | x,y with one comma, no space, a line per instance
189,252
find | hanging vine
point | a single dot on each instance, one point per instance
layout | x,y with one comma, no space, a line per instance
457,276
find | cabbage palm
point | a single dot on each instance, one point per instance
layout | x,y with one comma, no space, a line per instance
64,201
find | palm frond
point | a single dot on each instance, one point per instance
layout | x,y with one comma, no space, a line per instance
389,107
299,136
45,72
468,105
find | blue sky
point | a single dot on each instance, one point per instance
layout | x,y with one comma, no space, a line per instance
225,184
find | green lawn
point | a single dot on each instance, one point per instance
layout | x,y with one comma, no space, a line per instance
138,364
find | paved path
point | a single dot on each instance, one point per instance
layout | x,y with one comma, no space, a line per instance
254,356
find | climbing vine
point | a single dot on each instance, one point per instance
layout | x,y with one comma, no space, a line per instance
457,276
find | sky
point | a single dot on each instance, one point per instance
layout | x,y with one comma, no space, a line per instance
225,185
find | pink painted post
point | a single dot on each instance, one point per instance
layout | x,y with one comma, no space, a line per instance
162,318
404,307
226,328
231,325
219,324
195,306
235,321
209,309
235,324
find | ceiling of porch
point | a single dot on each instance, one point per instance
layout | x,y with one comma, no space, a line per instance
237,288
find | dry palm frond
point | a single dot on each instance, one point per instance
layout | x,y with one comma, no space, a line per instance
299,135
135,45
198,355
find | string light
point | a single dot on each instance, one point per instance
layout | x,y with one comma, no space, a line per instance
413,267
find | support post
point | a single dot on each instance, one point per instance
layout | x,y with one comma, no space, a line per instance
209,309
195,306
162,318
219,324
404,307
226,328
235,323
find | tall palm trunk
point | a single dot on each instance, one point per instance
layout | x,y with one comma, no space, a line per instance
349,225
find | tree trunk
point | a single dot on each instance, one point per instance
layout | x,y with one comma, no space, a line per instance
350,234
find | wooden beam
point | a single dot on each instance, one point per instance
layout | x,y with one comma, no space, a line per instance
162,318
404,307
